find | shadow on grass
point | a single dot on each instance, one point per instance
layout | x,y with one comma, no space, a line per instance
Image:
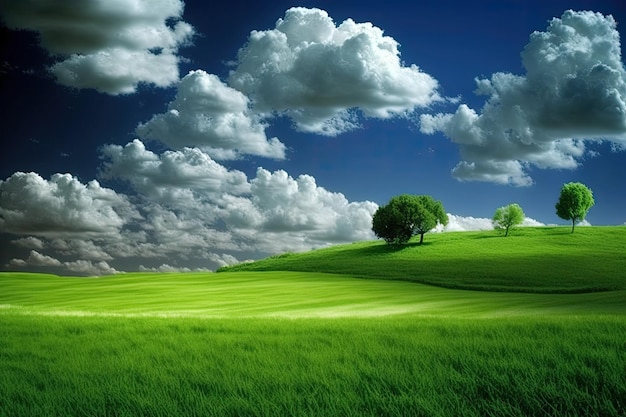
485,236
385,248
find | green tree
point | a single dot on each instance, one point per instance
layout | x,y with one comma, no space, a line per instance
574,202
407,215
507,217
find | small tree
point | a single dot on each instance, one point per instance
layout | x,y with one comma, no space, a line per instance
574,202
407,215
507,217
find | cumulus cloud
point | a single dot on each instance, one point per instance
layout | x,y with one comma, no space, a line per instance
574,90
109,45
530,222
60,207
168,268
188,191
469,223
35,259
187,211
288,204
318,73
80,267
465,224
83,249
209,115
158,175
277,213
89,268
224,259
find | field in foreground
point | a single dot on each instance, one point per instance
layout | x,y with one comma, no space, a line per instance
411,366
297,343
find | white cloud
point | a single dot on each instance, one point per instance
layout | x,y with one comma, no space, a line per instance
188,212
574,90
109,45
60,207
288,204
318,73
89,268
469,223
81,267
158,175
530,222
464,224
209,115
168,268
117,71
186,191
223,259
35,259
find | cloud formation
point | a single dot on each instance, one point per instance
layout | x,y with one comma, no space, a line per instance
80,267
319,74
159,175
469,223
60,207
286,204
109,45
185,211
209,115
574,90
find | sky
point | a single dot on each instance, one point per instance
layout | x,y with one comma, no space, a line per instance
162,135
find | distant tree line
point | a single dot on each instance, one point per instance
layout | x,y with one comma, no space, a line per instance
405,216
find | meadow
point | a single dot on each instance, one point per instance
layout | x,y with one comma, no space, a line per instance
328,343
542,259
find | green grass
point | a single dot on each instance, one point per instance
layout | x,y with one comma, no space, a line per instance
443,366
277,294
545,259
317,339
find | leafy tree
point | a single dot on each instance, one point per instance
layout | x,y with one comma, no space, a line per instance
507,217
574,202
407,215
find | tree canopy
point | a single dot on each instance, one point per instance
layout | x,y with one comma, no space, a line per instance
574,202
407,215
507,217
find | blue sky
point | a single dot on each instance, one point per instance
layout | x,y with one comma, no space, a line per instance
171,136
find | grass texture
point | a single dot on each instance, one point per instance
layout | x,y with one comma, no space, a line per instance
543,259
307,342
442,366
277,294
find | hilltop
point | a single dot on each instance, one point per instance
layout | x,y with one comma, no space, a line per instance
533,259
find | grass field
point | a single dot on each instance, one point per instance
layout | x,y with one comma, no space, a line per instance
543,259
298,343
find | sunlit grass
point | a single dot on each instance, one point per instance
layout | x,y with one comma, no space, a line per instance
333,341
445,366
277,294
545,259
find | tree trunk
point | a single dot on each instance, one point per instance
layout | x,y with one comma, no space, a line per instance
506,233
573,223
421,238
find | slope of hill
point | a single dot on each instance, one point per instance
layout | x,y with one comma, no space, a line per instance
275,294
543,260
314,343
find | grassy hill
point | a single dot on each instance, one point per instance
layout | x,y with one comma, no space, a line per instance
306,335
273,294
543,259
